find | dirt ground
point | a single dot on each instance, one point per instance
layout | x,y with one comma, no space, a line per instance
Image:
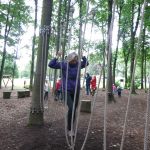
16,135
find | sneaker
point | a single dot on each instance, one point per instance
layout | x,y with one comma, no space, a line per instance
71,133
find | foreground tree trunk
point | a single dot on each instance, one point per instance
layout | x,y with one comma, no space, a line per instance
36,113
33,46
7,30
110,96
118,38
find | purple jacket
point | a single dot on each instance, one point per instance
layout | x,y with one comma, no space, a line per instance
72,73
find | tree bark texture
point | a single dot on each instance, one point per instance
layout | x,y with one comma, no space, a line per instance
37,111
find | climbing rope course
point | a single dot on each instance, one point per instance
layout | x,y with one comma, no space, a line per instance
71,142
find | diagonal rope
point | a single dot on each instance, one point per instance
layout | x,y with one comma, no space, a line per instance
133,74
78,112
42,57
78,71
66,135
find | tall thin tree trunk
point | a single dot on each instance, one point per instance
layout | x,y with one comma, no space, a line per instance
126,74
7,29
133,33
104,54
145,70
37,111
33,45
13,74
58,40
66,28
142,59
126,52
118,38
110,96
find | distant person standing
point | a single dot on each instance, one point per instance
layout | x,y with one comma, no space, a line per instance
46,88
24,83
119,89
58,94
114,88
93,85
88,79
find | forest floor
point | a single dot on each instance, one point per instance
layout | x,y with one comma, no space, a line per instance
15,134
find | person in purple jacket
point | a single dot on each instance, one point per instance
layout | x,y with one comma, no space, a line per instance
73,63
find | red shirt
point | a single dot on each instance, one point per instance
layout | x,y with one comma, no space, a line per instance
58,84
93,83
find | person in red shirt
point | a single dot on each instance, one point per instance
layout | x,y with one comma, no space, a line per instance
93,85
58,90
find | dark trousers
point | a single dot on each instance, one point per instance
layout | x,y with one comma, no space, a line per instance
87,89
58,95
70,103
46,95
119,93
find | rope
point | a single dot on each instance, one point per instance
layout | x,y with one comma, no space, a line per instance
92,110
66,107
78,114
109,59
133,74
78,73
147,119
42,31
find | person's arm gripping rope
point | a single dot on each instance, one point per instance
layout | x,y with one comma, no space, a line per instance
54,62
84,62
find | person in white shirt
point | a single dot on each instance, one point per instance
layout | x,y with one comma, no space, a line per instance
46,87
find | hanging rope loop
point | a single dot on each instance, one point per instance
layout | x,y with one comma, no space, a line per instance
45,29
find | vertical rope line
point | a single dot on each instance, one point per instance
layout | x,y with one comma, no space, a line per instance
109,59
78,111
147,119
78,74
92,110
41,82
74,102
44,63
66,117
133,74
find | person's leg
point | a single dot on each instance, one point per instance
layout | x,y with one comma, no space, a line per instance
56,95
70,103
86,89
119,94
46,95
70,107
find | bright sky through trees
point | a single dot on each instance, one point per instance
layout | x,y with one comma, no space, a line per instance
26,40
